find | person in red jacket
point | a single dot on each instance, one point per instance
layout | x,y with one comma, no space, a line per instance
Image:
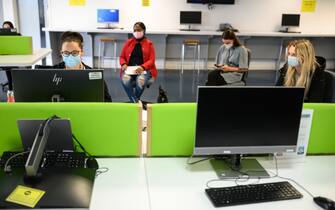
138,51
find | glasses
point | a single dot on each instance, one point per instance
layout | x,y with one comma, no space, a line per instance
67,53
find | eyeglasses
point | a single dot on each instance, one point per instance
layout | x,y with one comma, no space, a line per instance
67,53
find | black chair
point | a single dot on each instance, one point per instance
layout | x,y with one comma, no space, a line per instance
329,96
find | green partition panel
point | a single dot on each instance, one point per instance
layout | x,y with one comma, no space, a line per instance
104,129
322,136
171,129
16,45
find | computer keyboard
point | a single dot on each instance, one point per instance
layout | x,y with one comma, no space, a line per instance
255,193
50,159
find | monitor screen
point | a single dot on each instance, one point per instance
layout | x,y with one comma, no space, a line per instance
8,32
290,20
108,15
58,85
190,17
197,1
247,120
211,1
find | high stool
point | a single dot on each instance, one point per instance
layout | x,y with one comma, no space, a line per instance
195,44
102,56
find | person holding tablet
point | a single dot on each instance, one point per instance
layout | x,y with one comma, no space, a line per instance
137,62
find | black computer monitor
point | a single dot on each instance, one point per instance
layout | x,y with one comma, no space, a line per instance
8,32
58,85
211,1
190,18
246,120
290,20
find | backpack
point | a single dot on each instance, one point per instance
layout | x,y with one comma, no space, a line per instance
162,97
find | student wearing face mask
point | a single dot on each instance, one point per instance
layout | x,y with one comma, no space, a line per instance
72,51
137,51
231,60
303,70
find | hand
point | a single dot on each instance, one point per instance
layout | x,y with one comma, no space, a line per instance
139,70
225,68
124,67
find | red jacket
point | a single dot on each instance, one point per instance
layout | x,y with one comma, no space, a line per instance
148,51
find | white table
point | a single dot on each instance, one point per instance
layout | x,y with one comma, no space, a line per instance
123,187
175,185
207,35
24,60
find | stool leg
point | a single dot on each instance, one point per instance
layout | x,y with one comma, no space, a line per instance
198,59
182,58
99,59
115,56
194,56
103,55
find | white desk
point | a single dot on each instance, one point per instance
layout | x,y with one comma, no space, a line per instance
201,32
166,44
123,187
175,185
24,60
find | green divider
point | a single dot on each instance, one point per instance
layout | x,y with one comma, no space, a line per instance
171,129
105,129
322,137
16,45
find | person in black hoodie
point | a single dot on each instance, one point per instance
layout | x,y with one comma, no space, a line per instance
304,69
72,51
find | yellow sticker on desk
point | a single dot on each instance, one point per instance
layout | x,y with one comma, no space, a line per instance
25,196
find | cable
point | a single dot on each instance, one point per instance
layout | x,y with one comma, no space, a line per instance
101,170
197,161
81,146
8,168
247,177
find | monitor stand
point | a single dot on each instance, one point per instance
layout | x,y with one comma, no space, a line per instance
286,30
109,26
189,29
232,167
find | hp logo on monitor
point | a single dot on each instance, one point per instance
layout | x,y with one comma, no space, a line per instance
56,79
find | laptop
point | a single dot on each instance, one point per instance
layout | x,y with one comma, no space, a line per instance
60,137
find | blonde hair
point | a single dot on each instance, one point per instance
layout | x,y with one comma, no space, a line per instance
305,53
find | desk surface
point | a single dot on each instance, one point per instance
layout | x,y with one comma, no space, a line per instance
202,32
171,184
24,60
123,187
175,185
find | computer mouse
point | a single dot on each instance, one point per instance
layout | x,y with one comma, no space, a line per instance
325,203
92,163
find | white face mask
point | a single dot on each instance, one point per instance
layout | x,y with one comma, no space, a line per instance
228,46
138,34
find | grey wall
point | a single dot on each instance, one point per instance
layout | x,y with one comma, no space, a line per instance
29,20
1,13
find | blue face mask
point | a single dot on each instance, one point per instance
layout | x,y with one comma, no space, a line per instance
293,61
72,61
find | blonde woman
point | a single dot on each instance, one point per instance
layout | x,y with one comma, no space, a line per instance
303,69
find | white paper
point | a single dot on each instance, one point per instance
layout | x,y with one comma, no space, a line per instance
131,70
232,77
303,137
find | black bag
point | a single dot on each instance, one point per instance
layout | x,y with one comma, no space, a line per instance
162,97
